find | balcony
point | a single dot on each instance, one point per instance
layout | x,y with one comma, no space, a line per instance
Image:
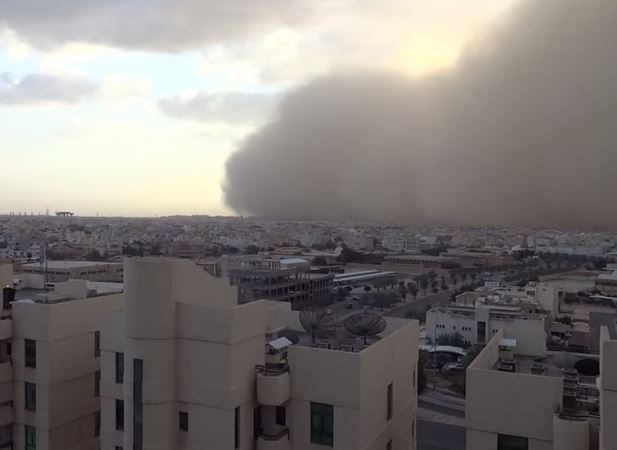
273,385
6,413
279,441
6,328
6,371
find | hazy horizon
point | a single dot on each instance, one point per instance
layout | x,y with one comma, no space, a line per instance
462,112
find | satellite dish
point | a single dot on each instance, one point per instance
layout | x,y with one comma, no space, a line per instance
317,322
365,324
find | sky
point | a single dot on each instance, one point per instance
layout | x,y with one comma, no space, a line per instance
138,108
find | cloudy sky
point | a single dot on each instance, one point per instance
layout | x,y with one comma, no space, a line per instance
134,107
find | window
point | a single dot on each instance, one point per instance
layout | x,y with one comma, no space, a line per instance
30,396
481,332
389,445
183,419
97,383
281,418
30,352
138,404
97,424
119,415
30,437
119,367
506,442
237,427
117,447
322,424
97,344
389,401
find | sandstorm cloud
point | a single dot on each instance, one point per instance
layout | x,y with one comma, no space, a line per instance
522,132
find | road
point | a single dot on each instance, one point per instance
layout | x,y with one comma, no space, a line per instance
419,306
438,436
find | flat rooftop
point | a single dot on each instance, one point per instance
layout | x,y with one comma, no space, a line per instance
554,362
69,264
351,343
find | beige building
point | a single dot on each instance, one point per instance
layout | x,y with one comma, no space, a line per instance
83,270
521,402
49,366
187,367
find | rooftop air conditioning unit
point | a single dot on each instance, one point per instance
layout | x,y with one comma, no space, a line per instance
537,368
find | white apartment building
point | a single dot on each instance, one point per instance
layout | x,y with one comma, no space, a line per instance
479,322
521,402
49,368
186,367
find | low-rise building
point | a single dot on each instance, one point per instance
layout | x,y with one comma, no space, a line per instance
478,323
564,401
187,367
55,271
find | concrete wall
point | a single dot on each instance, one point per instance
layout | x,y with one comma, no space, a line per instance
65,369
608,391
508,403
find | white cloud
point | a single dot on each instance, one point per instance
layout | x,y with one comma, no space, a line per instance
122,88
12,45
39,88
233,107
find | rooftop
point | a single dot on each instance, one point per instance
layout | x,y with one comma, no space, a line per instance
69,264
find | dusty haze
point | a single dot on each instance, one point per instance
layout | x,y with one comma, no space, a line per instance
523,132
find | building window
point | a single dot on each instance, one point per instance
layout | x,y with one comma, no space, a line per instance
389,445
30,352
97,383
183,419
97,424
507,442
119,367
30,396
237,427
97,344
322,424
30,437
281,418
389,400
117,447
119,414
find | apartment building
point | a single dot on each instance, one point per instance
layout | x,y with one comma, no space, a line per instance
49,368
185,366
479,322
517,401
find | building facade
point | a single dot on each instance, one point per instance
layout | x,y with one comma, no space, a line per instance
187,367
56,271
520,402
49,369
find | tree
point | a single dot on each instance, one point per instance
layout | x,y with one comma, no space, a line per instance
402,289
424,284
251,249
453,339
434,289
413,289
367,288
320,261
444,287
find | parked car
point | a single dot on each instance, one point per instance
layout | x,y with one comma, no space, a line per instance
349,306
